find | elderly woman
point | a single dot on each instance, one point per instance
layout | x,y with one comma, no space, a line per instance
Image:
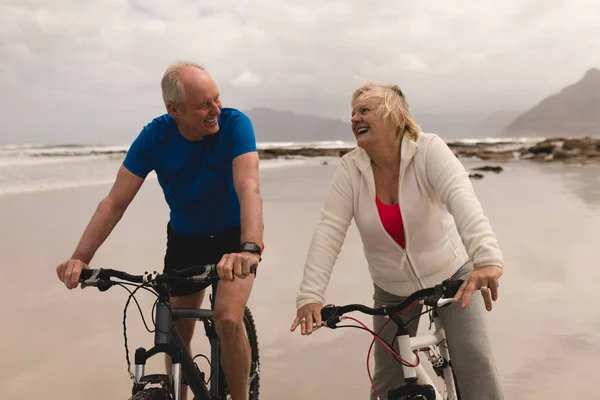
420,223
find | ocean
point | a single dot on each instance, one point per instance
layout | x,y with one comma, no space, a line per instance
33,167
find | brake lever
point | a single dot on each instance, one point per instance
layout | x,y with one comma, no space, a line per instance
450,287
444,293
329,316
332,322
93,279
444,301
438,301
104,285
97,279
432,301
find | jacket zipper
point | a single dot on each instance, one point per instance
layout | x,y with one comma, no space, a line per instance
402,170
405,250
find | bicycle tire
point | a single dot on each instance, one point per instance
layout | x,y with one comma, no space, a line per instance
152,394
254,360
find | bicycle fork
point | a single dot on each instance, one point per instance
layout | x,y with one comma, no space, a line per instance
413,388
419,383
163,325
446,366
440,360
176,374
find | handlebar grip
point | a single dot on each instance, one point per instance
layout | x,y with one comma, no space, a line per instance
86,274
451,286
253,269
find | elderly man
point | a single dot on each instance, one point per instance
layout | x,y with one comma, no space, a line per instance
206,162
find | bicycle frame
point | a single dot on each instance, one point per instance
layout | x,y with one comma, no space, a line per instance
167,340
418,375
419,384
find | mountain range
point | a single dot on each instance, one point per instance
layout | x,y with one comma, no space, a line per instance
574,111
285,126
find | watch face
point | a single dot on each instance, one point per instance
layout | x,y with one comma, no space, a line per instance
251,247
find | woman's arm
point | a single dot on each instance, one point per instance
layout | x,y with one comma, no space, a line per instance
451,182
327,239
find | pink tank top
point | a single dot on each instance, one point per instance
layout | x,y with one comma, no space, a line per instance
391,219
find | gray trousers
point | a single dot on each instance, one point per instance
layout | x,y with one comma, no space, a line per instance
466,332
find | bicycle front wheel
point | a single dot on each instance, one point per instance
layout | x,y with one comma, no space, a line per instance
152,394
254,361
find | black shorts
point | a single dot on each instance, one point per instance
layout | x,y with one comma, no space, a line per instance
185,251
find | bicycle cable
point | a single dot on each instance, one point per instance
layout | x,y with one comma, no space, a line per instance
368,330
420,314
137,303
131,295
387,345
206,382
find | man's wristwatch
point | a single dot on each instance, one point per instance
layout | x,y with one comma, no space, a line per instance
251,248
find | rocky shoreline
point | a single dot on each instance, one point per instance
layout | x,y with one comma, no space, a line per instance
559,149
567,150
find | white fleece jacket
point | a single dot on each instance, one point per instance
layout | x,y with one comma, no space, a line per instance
438,206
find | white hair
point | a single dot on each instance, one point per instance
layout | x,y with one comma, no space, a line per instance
392,105
172,88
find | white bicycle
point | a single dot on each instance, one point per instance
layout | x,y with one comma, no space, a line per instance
419,385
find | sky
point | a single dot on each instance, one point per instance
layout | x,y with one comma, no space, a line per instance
83,71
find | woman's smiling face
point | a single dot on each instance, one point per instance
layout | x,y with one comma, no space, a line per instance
368,127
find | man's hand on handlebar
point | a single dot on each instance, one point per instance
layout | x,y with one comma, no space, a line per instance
237,264
306,316
69,271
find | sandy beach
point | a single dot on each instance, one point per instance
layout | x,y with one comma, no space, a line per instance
64,344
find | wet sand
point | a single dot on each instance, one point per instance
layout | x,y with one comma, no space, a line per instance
64,344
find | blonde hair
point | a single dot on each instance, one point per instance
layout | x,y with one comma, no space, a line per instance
172,88
392,106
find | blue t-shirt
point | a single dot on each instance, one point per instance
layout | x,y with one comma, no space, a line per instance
196,176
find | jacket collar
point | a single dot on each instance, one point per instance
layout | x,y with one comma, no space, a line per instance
407,152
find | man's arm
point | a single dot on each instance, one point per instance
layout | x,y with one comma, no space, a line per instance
246,182
108,214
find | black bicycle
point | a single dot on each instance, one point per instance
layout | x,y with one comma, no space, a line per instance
167,340
418,384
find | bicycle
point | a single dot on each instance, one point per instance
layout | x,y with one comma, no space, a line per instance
167,340
418,384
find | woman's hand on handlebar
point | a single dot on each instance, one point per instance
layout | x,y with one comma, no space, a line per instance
69,271
484,278
306,316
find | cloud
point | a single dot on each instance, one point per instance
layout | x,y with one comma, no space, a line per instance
73,70
247,79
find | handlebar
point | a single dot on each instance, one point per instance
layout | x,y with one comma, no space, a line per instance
100,277
437,296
